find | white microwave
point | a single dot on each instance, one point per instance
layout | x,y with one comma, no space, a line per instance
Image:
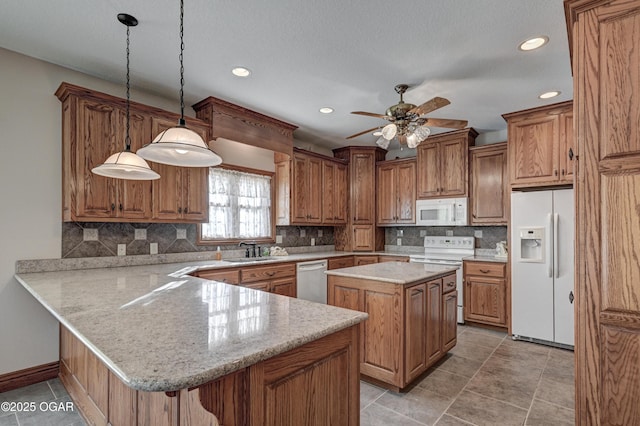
442,212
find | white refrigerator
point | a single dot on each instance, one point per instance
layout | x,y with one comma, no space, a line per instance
542,267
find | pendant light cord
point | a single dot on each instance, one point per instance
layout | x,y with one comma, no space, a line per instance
182,122
127,139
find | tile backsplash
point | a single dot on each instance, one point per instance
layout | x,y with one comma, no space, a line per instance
414,235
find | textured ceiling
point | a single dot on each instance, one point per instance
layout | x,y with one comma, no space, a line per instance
305,55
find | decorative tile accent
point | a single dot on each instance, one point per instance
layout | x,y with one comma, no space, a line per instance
140,234
89,234
181,234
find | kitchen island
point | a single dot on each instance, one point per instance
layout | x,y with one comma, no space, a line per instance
412,317
152,345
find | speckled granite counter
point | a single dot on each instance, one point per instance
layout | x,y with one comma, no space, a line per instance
158,329
394,272
486,259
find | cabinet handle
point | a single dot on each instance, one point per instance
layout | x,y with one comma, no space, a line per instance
570,153
555,172
120,206
485,271
562,172
113,207
571,296
185,209
270,274
179,209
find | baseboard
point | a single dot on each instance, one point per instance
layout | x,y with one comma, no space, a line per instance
29,376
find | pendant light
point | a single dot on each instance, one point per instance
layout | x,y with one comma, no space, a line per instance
126,164
180,146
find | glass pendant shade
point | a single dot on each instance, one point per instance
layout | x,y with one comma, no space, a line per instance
126,165
382,142
412,141
422,132
389,131
180,146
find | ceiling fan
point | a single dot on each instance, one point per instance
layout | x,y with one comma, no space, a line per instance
407,122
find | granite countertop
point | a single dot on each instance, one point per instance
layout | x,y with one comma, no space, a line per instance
484,258
158,329
394,272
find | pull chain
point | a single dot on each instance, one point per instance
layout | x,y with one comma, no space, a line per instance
182,122
127,140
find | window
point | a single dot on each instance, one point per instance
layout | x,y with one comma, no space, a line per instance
239,206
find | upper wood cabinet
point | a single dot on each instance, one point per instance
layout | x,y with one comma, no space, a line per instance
310,189
541,151
181,194
442,164
396,189
93,128
489,185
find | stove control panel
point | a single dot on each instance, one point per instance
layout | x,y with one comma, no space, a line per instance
449,242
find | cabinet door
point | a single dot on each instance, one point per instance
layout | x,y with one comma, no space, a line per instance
489,186
454,167
532,149
363,236
96,141
365,260
386,194
485,300
166,191
340,194
567,149
341,262
433,321
449,320
428,181
195,194
134,196
415,331
315,192
284,286
362,189
307,177
259,285
406,192
328,192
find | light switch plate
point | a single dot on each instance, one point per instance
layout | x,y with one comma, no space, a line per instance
153,248
313,241
399,241
278,239
122,249
478,233
303,233
320,233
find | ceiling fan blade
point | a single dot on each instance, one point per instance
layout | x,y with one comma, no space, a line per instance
362,133
430,105
447,123
372,114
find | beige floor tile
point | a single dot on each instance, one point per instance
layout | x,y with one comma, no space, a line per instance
515,390
377,415
418,404
459,365
484,411
369,393
480,339
545,414
448,420
505,367
443,382
557,390
486,331
525,356
471,351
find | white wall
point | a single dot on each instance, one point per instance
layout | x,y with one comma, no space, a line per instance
30,190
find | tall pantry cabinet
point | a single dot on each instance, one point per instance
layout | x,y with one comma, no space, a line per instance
604,38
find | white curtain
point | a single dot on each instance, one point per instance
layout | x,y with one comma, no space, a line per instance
239,205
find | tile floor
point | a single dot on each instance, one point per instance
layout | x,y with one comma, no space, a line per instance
487,379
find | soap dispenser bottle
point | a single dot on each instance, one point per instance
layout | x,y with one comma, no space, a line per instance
218,254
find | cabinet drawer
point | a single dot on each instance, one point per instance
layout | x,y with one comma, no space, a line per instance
485,269
448,283
229,277
262,273
393,258
365,260
340,262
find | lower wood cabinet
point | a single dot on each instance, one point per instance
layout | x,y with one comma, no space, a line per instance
340,262
316,384
365,260
485,296
279,278
410,327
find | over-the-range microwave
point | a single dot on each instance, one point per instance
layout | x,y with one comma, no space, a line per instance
442,212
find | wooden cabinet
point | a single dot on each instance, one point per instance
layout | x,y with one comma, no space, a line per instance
442,164
389,258
449,320
604,37
485,293
409,327
334,192
310,189
360,232
181,194
540,143
365,260
340,262
279,278
489,185
229,276
396,190
93,128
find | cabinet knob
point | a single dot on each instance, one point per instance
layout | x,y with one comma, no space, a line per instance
571,297
185,209
555,173
120,207
563,172
570,153
113,206
179,209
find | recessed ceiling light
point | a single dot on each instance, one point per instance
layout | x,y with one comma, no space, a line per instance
377,133
326,110
241,72
533,43
547,95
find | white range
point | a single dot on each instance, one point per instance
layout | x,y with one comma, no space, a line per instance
447,252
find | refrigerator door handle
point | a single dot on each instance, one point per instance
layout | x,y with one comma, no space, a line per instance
556,264
550,245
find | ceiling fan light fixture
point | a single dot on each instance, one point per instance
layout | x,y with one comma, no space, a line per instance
389,131
413,140
179,145
422,132
533,43
377,133
383,143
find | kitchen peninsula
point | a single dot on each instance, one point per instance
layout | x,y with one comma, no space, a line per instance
412,317
152,345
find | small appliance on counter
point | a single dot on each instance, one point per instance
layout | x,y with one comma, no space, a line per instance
501,250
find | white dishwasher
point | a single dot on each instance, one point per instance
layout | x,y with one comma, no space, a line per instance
312,281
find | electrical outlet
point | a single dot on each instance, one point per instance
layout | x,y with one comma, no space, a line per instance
320,233
449,233
313,241
278,239
153,248
423,233
478,233
399,241
303,233
122,249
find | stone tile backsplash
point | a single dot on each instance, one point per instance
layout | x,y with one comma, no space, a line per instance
102,239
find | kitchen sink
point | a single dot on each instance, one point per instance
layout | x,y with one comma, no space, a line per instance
250,259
